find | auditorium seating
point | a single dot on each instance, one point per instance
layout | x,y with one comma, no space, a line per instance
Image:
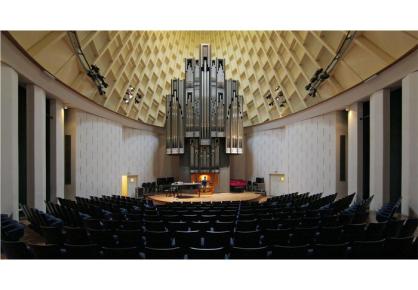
11,230
284,227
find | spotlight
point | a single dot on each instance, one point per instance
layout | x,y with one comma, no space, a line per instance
282,105
347,109
277,88
312,92
313,79
280,94
65,107
318,71
268,96
324,75
308,86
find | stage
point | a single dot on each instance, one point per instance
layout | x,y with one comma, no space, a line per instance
213,197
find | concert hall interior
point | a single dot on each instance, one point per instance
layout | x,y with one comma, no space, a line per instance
212,144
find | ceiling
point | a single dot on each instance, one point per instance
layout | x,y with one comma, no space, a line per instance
260,60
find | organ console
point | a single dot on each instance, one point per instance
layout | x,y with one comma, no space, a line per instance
204,114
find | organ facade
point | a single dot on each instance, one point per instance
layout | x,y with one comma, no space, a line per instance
204,114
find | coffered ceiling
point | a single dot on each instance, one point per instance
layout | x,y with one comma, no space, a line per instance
261,60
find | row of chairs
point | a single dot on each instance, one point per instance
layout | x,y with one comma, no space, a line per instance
393,248
11,230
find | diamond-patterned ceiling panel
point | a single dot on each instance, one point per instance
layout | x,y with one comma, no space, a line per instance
261,60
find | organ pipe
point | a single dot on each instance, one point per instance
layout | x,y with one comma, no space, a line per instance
203,109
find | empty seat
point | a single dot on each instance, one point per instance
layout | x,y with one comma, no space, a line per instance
375,231
87,251
202,226
393,228
154,225
76,236
223,226
249,253
93,224
121,253
158,239
129,238
276,236
216,239
16,250
206,253
164,253
42,251
103,238
303,235
289,252
186,239
246,225
177,226
330,221
368,249
399,248
247,239
331,251
409,227
268,223
330,235
52,235
131,225
309,221
354,232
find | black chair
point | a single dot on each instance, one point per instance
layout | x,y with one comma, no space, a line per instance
52,235
248,253
309,221
189,218
88,251
186,239
330,235
289,252
129,238
354,232
246,225
375,231
399,248
409,227
121,253
202,226
346,219
164,253
16,250
393,228
289,223
247,239
276,236
206,253
46,251
131,225
331,251
154,225
103,238
303,235
220,226
368,249
330,221
158,239
226,218
93,224
268,223
216,239
111,224
177,226
76,236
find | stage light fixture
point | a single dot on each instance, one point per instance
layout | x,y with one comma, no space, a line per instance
324,75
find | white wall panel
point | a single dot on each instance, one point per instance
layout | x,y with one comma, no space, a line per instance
304,151
106,150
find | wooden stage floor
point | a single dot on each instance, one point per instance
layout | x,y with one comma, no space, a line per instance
226,196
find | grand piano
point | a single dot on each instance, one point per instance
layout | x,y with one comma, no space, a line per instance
177,188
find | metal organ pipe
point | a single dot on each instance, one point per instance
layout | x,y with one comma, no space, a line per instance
203,109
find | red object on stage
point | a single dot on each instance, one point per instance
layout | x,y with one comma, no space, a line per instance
237,185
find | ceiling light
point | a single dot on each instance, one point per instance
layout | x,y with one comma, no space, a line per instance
324,75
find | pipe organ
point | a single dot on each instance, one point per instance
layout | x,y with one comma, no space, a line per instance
204,114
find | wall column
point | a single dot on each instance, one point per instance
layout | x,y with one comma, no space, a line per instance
36,146
355,151
410,144
57,149
9,142
379,148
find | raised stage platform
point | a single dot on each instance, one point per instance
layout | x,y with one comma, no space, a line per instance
226,196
